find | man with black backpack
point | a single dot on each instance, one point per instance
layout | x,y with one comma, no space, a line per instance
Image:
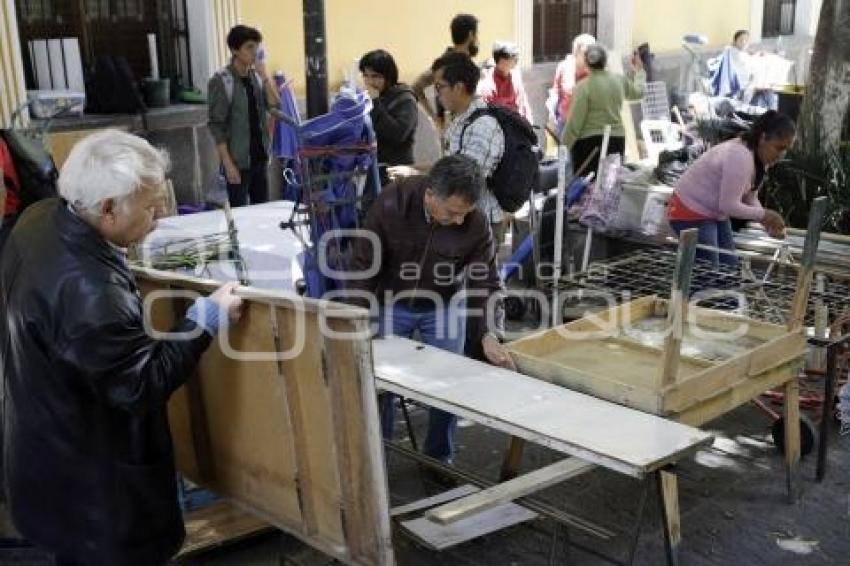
501,141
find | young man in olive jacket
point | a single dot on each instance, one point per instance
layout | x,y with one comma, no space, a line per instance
239,97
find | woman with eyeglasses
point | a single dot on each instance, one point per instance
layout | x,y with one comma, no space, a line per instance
394,111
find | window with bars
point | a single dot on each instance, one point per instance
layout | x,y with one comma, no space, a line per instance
557,22
109,27
778,17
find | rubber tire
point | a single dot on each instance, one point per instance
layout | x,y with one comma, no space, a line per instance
808,435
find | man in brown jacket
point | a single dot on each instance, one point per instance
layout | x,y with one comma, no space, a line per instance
428,264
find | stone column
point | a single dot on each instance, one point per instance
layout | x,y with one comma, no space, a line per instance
614,25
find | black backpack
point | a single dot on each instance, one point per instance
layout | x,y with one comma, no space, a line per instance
517,170
36,170
112,88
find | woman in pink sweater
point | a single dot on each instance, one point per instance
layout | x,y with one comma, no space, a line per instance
724,182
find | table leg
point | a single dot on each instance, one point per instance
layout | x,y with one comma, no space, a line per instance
513,458
668,498
827,409
792,438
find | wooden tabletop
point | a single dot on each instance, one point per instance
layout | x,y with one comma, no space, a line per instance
601,432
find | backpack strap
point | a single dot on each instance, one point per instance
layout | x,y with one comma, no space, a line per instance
472,117
227,80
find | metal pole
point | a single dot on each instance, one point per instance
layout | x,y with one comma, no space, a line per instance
316,57
585,261
557,258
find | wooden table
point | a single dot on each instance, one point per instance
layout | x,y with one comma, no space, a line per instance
590,430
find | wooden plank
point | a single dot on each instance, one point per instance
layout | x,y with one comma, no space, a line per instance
615,437
807,263
678,307
781,351
792,438
347,367
668,499
508,491
784,349
441,537
250,435
743,392
705,385
327,309
434,500
310,417
217,524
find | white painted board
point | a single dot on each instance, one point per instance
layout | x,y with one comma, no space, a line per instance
601,432
73,64
441,537
41,63
56,59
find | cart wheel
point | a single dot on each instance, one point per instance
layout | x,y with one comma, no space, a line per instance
514,308
808,434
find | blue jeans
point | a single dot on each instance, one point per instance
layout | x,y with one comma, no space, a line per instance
445,329
714,233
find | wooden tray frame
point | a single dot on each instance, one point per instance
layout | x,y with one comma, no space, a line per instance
705,393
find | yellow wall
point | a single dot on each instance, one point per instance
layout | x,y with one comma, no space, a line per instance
663,22
414,31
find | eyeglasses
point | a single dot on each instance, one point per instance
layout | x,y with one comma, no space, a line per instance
438,86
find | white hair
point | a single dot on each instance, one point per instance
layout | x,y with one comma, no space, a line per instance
583,41
109,165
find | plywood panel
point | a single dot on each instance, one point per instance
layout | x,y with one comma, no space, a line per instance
250,438
283,421
311,417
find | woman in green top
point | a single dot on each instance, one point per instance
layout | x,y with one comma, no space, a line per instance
596,103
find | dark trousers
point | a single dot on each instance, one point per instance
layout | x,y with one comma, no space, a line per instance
254,186
582,149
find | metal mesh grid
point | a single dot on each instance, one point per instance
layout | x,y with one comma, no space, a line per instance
655,105
651,273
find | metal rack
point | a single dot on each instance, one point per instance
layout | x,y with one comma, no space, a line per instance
649,272
322,216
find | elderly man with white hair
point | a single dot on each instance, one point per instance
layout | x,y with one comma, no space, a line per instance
89,464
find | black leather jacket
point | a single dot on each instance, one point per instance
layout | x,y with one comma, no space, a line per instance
88,456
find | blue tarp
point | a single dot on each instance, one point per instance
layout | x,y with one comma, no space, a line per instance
724,79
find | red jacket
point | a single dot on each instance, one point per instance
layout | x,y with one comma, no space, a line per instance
507,91
10,180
